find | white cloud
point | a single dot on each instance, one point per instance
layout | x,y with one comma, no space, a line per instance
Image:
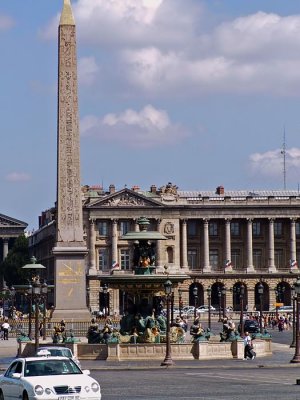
147,128
6,22
17,177
270,163
87,70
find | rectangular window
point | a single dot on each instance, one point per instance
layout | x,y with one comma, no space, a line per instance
214,258
125,259
278,255
235,228
297,228
192,228
103,259
192,259
213,229
277,228
102,228
256,228
124,227
236,258
257,258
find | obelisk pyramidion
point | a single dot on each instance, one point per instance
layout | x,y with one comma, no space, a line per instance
70,249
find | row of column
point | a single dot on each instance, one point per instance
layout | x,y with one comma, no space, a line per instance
250,266
5,248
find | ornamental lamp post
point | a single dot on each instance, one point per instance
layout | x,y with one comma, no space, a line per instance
12,293
242,292
195,293
260,290
223,291
209,306
44,291
37,294
105,290
293,344
296,358
180,302
220,303
168,358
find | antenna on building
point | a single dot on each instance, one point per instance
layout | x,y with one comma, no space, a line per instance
283,152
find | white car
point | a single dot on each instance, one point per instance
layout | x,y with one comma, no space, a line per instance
57,351
205,309
47,378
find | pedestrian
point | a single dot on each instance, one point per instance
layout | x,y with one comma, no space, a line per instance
248,347
5,329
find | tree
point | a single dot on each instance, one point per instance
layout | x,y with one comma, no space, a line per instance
16,258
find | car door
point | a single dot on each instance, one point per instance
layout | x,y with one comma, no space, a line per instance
12,387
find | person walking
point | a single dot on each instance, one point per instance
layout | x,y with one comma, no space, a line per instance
248,347
5,329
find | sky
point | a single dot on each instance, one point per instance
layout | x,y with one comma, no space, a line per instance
200,93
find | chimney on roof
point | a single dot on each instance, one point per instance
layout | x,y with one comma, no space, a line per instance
220,190
135,188
153,189
112,189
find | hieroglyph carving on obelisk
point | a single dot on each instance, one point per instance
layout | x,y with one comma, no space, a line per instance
69,203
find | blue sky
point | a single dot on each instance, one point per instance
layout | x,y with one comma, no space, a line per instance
197,93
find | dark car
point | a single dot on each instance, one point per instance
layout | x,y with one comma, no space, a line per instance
251,326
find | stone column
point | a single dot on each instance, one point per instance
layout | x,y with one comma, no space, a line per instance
92,247
206,267
5,248
250,267
293,240
136,226
184,244
271,261
114,241
159,260
227,244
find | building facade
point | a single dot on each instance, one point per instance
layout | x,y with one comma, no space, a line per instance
221,239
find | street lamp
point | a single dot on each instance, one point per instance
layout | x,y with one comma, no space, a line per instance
44,291
223,291
260,290
180,302
220,305
168,359
38,292
105,290
195,293
172,307
12,293
279,293
209,305
293,344
242,292
296,358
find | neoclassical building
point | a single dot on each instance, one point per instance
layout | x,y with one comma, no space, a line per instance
219,239
10,229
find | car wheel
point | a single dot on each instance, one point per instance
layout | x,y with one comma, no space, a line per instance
25,396
1,395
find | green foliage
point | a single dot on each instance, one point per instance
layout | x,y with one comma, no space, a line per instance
16,258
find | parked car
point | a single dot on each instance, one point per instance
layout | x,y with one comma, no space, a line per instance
57,351
41,378
205,309
250,325
285,309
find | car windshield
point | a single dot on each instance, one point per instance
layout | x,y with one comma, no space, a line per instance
60,352
50,367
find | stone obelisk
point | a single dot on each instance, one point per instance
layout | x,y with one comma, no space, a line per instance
70,249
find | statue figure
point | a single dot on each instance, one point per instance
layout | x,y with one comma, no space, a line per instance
93,333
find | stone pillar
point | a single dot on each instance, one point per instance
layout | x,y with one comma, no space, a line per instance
159,260
5,248
92,248
206,267
227,245
114,241
136,226
271,261
250,267
293,254
184,244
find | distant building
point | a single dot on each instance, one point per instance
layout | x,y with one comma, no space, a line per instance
220,239
10,229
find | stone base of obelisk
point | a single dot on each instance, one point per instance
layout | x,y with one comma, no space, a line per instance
70,284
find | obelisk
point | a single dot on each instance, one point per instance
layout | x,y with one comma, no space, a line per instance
70,249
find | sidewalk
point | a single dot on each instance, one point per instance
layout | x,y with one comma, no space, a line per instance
282,355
